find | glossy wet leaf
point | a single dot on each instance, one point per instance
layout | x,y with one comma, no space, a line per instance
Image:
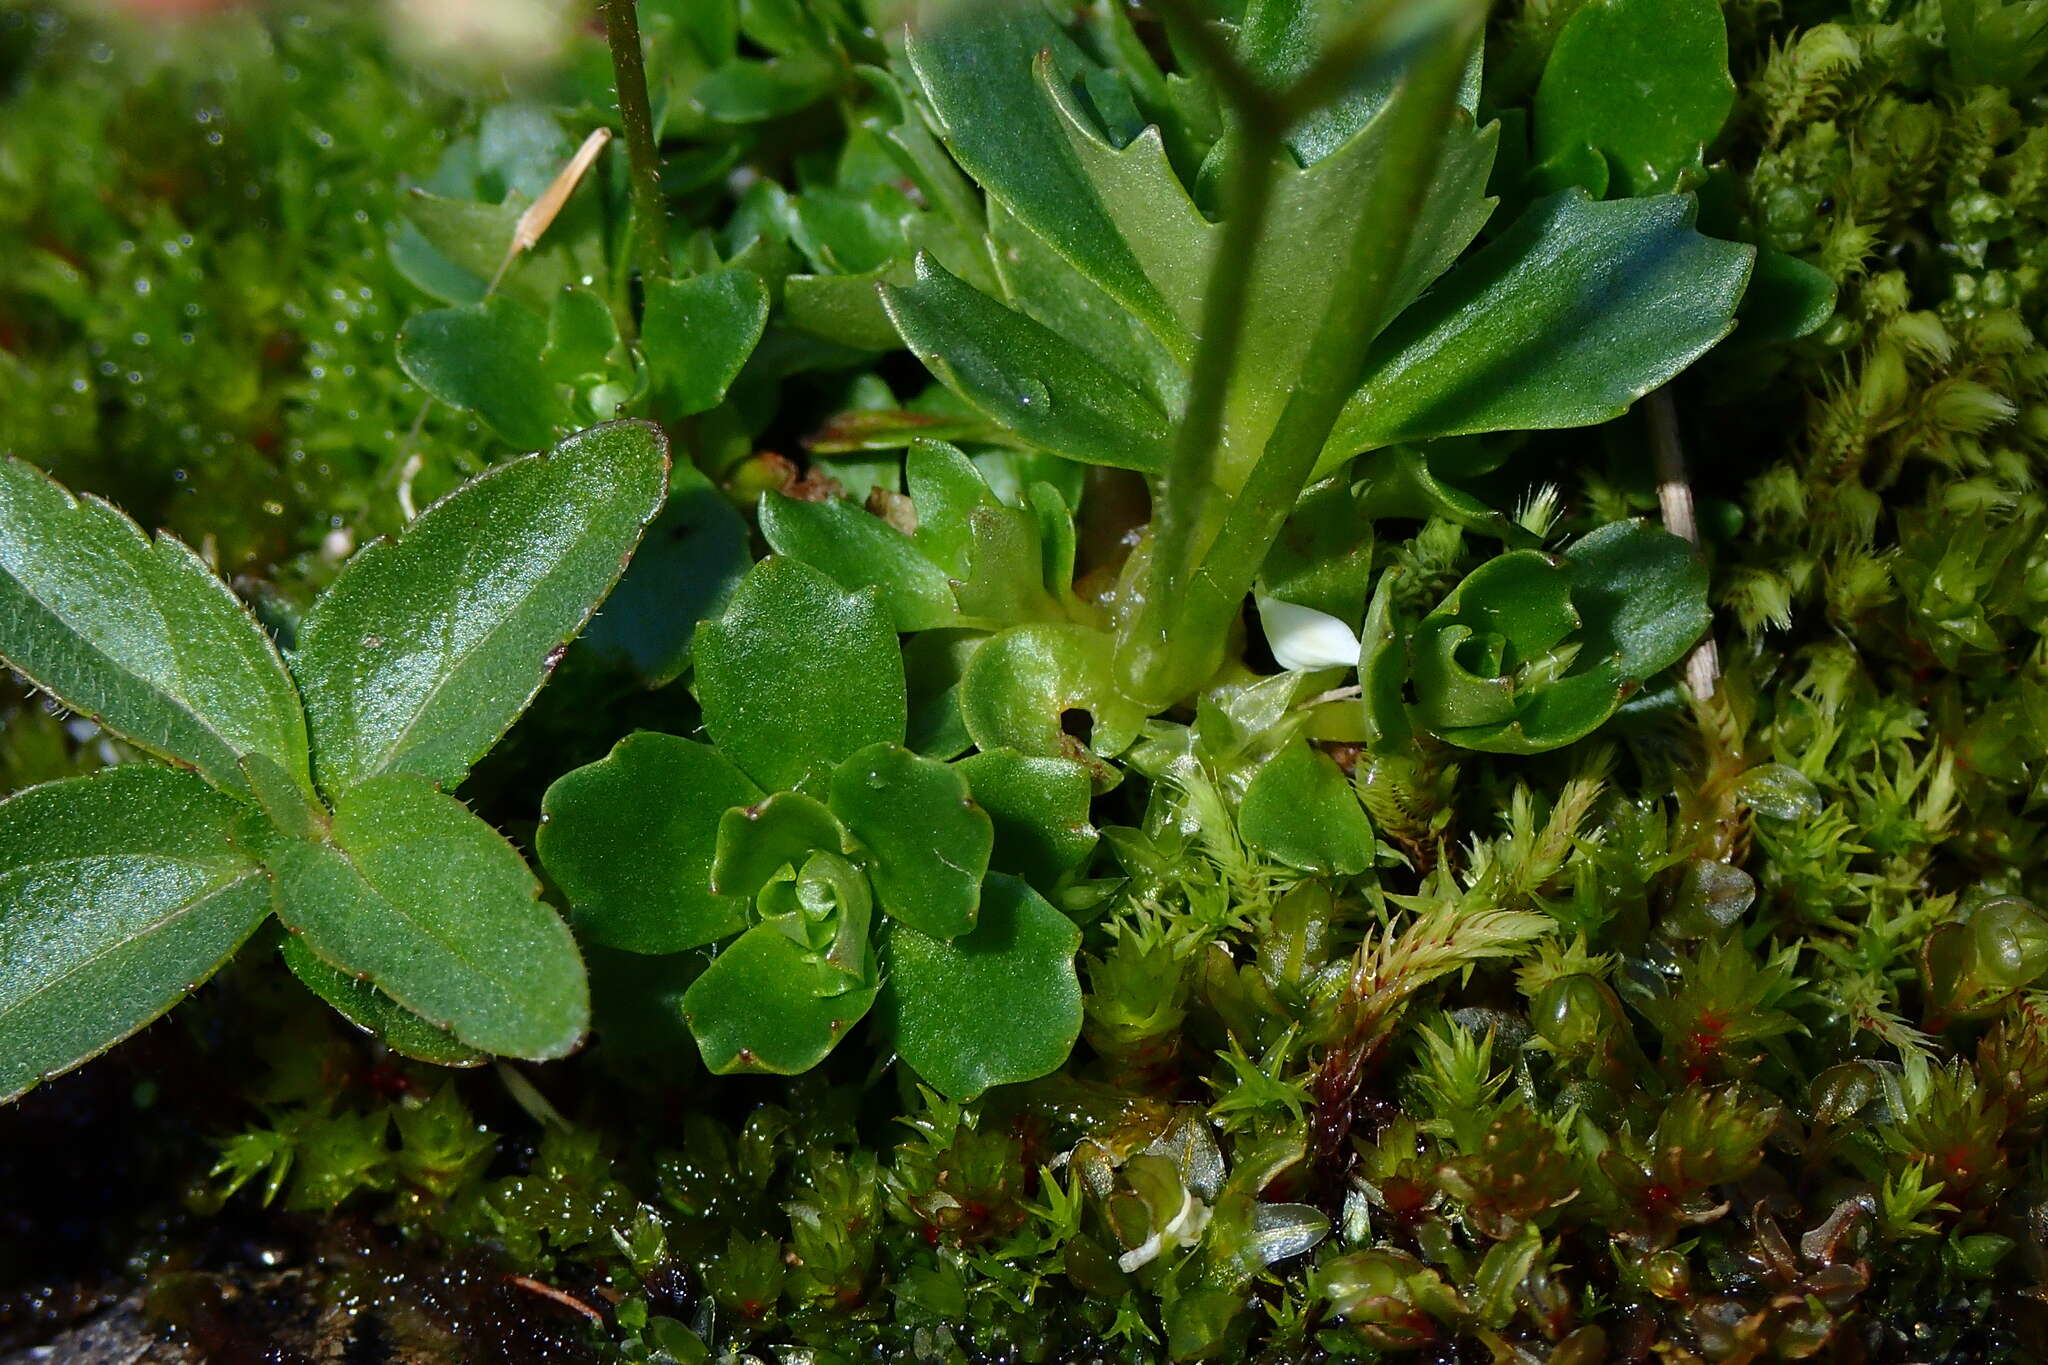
137,633
630,841
934,662
427,647
1300,809
1022,684
857,549
1039,807
697,333
756,841
926,842
798,674
993,1007
582,336
1641,593
689,561
768,1004
1531,651
122,892
376,1013
1644,82
486,358
947,489
430,904
975,62
1565,319
1024,375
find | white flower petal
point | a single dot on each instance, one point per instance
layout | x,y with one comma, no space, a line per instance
1304,638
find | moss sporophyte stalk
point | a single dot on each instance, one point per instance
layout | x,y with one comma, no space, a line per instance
1216,680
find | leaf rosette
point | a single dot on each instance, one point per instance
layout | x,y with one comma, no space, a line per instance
1533,651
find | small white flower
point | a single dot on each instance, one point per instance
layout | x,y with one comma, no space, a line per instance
1304,638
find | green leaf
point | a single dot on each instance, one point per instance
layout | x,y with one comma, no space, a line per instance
1786,299
1644,82
431,905
1322,558
1300,809
119,893
376,1013
696,335
857,549
993,1007
933,664
427,648
1024,375
1038,282
1022,682
486,358
768,1004
1039,807
1382,672
797,675
757,841
1564,320
946,489
975,62
1532,652
692,557
139,634
927,842
1149,206
630,840
582,336
1641,594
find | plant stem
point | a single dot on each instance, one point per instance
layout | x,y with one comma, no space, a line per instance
1181,508
629,76
1674,498
1177,637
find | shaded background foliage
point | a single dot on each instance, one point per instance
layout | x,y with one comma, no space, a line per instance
1776,1088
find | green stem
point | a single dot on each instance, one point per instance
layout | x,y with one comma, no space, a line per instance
1183,635
1181,509
629,75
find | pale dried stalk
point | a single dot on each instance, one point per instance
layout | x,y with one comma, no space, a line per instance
540,215
533,224
1674,497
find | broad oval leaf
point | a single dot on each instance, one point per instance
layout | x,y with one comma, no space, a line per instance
1644,82
119,893
1564,320
1039,807
427,648
374,1012
1300,809
139,634
797,674
1021,684
993,1007
859,550
927,841
757,841
768,1004
630,840
486,358
1025,375
697,333
415,894
1641,595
